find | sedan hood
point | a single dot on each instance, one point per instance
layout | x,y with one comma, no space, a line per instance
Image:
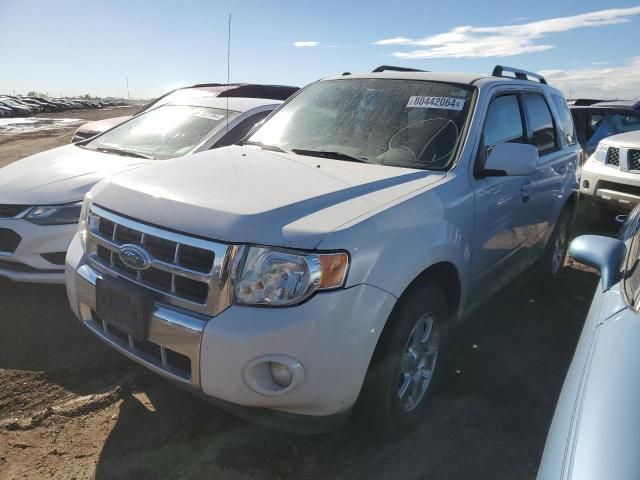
60,175
248,195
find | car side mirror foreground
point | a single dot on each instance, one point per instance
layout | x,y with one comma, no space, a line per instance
511,159
605,254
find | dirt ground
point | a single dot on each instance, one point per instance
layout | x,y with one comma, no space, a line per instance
14,147
70,408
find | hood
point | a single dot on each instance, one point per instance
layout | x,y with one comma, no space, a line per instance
627,140
100,126
248,195
60,175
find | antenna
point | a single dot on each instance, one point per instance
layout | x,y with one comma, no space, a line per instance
228,68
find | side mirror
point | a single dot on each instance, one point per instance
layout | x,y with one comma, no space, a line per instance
605,254
511,159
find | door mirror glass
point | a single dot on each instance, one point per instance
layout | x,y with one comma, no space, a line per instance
511,159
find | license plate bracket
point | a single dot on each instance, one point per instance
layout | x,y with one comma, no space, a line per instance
125,306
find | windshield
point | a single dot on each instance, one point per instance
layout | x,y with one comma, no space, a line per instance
164,132
407,123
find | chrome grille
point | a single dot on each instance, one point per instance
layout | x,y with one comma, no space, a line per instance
185,271
613,157
634,159
10,211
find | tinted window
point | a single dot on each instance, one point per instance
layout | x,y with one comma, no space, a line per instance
564,117
540,122
603,125
504,122
241,130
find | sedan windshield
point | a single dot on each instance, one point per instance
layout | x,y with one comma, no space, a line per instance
166,132
407,123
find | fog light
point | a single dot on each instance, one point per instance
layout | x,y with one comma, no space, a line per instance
281,374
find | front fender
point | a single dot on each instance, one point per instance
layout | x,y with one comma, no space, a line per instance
394,245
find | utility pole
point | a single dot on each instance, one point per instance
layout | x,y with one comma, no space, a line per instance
128,94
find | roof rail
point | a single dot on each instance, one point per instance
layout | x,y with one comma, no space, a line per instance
519,74
391,68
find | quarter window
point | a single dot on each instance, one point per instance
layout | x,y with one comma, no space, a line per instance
541,123
504,122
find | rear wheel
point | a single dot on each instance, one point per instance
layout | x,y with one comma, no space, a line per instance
552,262
408,361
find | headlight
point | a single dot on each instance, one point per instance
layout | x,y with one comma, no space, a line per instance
600,154
83,223
279,278
55,214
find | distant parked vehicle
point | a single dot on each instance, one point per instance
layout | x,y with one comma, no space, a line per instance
5,111
40,195
594,434
273,92
17,109
603,119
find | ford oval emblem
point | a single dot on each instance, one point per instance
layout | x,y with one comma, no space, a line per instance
135,257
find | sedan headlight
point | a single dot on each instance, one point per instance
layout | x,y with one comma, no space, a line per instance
600,154
83,223
55,214
279,278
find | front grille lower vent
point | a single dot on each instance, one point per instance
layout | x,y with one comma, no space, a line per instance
634,159
613,157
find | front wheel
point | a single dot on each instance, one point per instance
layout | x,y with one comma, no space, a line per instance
407,362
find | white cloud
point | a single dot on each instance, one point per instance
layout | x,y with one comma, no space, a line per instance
503,41
602,82
394,41
306,44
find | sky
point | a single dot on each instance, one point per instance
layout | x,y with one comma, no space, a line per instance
587,48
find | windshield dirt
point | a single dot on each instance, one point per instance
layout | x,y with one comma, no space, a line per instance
415,124
165,132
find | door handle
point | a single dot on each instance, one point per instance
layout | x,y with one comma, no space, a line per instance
562,170
526,191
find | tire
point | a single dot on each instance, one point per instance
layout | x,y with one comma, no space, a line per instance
551,264
391,395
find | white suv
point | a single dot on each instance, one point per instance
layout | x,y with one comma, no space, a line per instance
325,259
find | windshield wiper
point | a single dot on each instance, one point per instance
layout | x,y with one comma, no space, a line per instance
264,146
126,153
332,155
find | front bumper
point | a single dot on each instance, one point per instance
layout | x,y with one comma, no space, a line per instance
26,263
328,342
612,187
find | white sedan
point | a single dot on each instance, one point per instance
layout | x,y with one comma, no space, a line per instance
40,196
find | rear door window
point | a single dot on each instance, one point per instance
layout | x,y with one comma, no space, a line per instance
540,120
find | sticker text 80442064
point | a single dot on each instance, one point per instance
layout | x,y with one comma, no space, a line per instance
448,103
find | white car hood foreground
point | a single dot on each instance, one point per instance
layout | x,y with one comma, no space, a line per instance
248,195
60,175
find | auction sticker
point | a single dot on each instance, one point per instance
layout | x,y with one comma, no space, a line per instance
448,103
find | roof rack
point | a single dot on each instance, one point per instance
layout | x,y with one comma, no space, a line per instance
392,68
519,74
